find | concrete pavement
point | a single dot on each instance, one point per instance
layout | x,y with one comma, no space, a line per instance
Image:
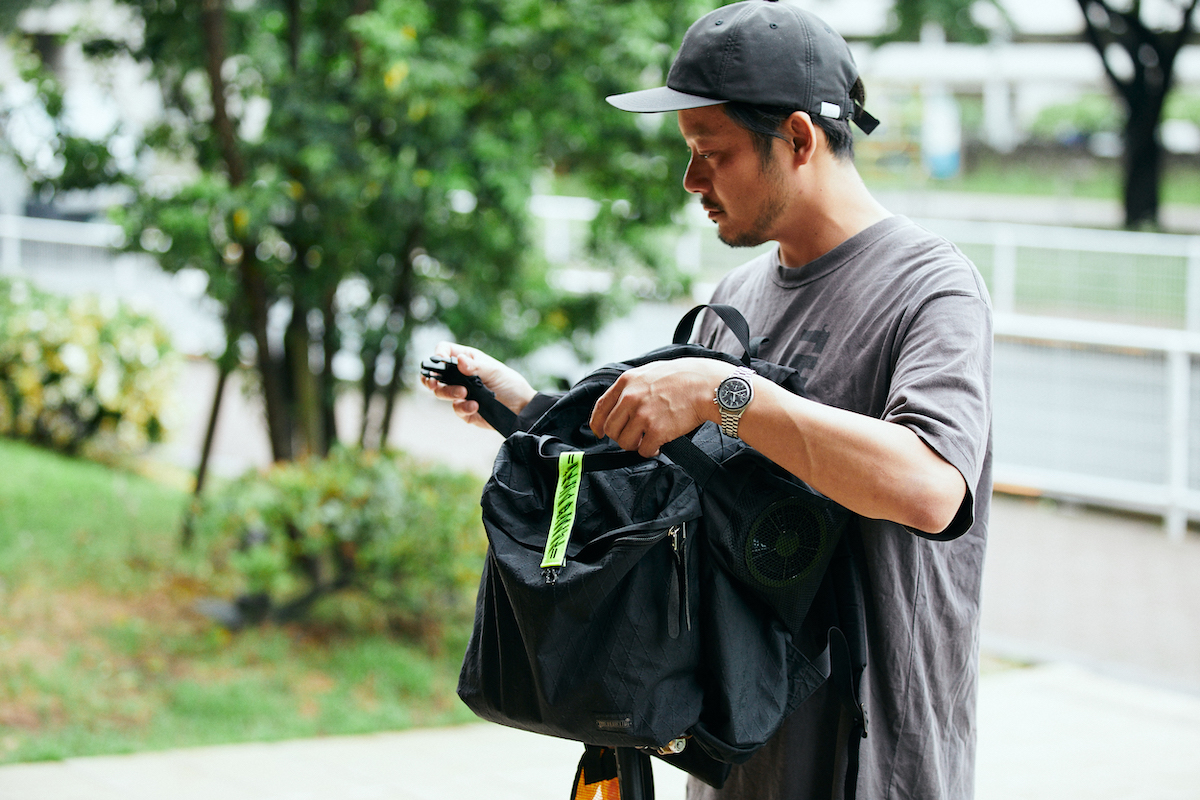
1051,732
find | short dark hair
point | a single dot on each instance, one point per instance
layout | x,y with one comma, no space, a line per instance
764,122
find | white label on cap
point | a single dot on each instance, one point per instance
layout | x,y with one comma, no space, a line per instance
831,110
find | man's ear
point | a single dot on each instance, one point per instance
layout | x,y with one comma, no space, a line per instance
802,134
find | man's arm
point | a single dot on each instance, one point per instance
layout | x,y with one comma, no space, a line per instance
875,468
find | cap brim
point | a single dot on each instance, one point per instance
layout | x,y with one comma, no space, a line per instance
662,98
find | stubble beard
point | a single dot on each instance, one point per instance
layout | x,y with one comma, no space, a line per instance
768,214
756,234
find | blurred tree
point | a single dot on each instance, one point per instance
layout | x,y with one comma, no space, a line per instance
955,18
1138,51
346,170
11,9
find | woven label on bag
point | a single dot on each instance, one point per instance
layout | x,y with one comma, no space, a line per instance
570,471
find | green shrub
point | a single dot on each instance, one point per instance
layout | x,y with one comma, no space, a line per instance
81,375
1091,113
374,529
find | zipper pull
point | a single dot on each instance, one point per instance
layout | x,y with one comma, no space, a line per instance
681,554
679,601
673,589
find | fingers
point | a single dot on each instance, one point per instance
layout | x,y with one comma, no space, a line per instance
650,405
603,408
622,415
510,387
454,394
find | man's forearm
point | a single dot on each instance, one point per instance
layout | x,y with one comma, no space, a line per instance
875,468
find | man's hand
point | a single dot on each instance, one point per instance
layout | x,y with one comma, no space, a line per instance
651,405
510,386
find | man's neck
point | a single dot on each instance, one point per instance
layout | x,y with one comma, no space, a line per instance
832,209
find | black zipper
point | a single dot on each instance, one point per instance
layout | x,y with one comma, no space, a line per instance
678,601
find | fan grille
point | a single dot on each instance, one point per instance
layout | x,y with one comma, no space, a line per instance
785,543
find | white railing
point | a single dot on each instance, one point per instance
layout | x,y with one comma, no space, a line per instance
1087,408
1151,364
15,229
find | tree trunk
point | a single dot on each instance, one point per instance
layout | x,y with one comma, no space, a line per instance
224,367
1143,171
1152,54
370,361
397,383
402,295
271,371
253,283
305,392
331,342
293,16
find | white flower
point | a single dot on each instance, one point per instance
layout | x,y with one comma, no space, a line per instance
72,388
148,354
74,358
19,294
52,396
108,387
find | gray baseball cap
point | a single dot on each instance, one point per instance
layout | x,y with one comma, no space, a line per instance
761,52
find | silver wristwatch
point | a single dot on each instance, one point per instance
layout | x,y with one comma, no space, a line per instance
732,396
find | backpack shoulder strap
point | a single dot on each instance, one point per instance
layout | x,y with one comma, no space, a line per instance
848,651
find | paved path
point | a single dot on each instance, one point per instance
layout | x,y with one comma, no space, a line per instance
1053,732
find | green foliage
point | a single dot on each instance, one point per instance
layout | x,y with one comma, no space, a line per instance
955,17
82,375
1183,105
102,651
403,538
55,159
368,166
1092,113
65,522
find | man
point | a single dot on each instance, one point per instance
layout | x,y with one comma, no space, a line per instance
891,328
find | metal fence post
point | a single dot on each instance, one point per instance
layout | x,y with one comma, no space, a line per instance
10,245
1179,378
1192,285
1004,271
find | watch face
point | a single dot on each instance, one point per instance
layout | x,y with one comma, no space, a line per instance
734,393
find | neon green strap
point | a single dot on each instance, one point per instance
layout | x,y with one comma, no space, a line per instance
570,471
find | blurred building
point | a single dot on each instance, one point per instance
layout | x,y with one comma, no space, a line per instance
1037,58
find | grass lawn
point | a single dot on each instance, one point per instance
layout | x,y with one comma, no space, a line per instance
102,650
1036,174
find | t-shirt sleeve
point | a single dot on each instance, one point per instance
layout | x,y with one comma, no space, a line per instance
534,409
941,388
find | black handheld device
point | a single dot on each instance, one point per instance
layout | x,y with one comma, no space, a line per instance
492,410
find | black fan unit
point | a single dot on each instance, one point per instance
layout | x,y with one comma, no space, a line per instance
787,541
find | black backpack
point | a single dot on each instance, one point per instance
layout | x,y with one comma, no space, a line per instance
655,605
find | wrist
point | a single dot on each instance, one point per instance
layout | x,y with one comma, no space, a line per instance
732,397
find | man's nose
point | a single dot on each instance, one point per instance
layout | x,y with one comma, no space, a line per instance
694,179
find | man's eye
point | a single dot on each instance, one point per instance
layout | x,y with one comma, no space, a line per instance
704,156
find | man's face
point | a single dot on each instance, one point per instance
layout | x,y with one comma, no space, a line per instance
745,199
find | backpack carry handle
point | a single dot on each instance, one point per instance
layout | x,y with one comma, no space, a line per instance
732,318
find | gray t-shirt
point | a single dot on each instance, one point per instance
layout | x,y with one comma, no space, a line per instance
894,323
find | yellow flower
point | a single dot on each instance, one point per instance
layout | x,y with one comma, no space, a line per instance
395,75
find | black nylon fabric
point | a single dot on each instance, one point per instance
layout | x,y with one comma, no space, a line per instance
589,656
650,630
